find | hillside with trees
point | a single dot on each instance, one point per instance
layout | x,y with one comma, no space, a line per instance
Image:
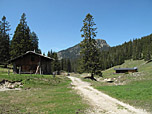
136,49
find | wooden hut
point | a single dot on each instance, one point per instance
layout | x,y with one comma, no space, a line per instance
124,70
32,63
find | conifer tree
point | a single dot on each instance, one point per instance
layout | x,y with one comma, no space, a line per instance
43,53
55,66
69,65
61,64
21,41
56,63
4,40
49,54
80,68
39,51
34,42
89,51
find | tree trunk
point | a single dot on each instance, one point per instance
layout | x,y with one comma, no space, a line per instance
92,76
5,65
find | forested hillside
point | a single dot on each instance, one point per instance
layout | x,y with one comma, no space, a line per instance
136,49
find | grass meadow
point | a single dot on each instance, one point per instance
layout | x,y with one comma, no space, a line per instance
40,94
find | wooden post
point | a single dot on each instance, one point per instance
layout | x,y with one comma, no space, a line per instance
40,66
53,74
40,71
37,69
14,68
19,70
31,73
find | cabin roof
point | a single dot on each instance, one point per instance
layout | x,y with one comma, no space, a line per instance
31,52
135,68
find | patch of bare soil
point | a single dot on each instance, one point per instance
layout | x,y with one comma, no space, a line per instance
100,102
10,85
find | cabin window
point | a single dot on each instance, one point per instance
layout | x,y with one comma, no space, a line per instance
32,59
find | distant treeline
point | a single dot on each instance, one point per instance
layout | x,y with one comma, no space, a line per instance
59,65
136,49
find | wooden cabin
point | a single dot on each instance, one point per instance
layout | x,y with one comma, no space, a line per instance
125,70
32,63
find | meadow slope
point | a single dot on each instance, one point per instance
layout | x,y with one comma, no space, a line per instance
132,88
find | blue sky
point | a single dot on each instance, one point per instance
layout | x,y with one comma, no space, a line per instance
58,22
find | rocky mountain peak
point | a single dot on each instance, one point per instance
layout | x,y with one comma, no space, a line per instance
74,52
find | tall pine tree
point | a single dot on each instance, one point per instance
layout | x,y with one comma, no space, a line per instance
34,42
89,51
23,40
4,41
55,66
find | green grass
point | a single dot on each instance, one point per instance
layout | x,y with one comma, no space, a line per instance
40,94
137,93
4,70
137,87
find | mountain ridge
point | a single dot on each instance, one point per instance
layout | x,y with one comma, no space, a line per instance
74,51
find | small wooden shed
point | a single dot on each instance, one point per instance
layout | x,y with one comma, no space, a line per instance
32,63
124,70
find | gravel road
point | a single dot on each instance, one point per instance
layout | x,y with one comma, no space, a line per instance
101,103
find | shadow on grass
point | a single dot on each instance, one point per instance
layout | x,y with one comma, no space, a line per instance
92,78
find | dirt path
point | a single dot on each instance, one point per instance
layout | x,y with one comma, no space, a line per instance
100,102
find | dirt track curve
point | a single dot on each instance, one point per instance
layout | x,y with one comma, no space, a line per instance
100,102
